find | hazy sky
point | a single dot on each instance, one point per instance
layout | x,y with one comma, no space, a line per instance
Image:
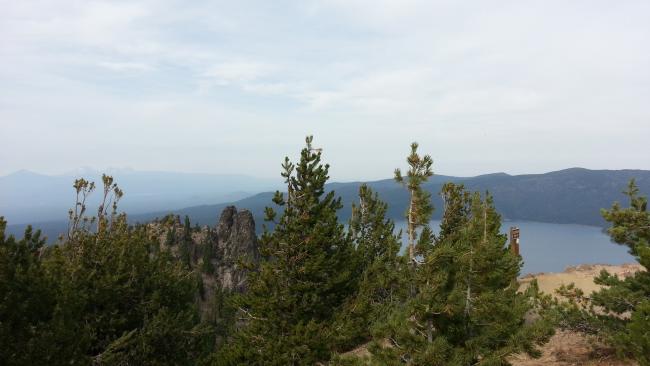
234,86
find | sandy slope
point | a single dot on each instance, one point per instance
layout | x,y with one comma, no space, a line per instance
569,348
582,276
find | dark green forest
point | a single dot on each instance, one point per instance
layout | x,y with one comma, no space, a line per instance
309,289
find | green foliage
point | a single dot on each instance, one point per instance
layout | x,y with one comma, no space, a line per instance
100,297
370,230
224,311
186,246
382,273
630,335
304,278
420,208
170,238
208,253
630,226
635,339
618,314
26,300
467,308
456,204
112,295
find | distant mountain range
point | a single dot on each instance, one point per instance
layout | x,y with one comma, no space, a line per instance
570,196
27,197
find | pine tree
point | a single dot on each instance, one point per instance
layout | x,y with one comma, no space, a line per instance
119,304
620,312
304,278
456,208
381,270
420,207
27,300
186,243
370,230
170,238
208,253
467,309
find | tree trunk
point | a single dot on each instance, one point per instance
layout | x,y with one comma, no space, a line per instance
411,228
411,232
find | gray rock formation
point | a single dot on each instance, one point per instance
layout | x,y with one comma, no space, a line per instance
236,243
229,247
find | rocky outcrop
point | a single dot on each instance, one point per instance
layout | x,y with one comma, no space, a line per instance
236,244
228,245
220,256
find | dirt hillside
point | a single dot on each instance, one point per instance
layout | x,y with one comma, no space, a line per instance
569,348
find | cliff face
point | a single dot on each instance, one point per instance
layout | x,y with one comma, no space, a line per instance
235,241
228,244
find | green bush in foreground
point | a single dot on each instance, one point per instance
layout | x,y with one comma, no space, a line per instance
102,297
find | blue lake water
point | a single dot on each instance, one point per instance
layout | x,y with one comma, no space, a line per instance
553,247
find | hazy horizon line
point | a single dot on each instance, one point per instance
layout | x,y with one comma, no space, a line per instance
112,170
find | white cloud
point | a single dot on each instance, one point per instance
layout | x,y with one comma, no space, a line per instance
488,101
238,72
126,66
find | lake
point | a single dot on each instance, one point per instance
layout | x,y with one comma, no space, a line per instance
553,247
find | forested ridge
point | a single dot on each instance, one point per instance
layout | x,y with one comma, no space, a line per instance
569,196
309,288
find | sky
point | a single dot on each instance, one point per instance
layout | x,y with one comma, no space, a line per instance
231,87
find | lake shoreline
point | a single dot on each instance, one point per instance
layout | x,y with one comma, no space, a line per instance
547,247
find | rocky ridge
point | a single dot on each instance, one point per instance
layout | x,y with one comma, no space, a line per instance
217,254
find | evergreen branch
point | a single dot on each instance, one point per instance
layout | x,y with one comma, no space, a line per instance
250,316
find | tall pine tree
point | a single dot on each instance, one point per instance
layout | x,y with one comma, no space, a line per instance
382,273
304,278
420,207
